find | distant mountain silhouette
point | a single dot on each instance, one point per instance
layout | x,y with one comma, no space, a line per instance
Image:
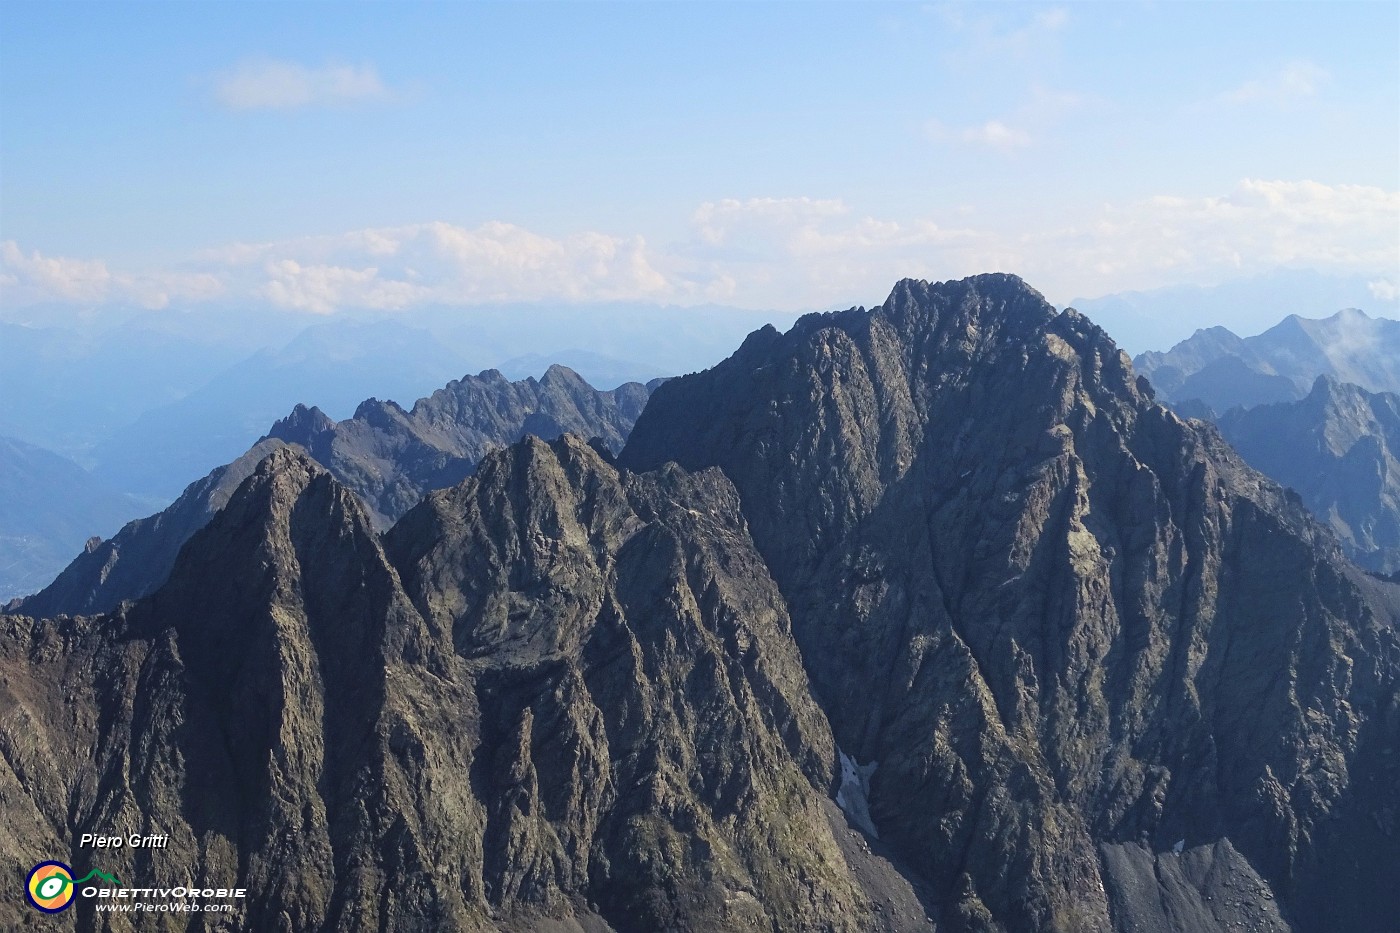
49,507
1163,317
334,363
1340,449
597,368
1280,365
1310,403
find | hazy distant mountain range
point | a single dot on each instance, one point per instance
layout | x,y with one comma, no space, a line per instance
67,388
1340,449
148,401
1311,403
1163,317
920,618
335,365
1280,365
49,507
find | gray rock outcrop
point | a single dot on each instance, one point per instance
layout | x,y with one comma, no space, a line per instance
1067,662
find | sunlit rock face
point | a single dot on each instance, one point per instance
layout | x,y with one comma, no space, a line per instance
924,617
1057,616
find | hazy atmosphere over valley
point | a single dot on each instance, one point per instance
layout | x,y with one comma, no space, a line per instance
615,467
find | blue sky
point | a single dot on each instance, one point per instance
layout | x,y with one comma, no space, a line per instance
324,157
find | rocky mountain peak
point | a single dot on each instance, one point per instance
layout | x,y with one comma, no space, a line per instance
923,616
953,491
276,485
288,499
375,411
301,424
387,456
558,372
996,301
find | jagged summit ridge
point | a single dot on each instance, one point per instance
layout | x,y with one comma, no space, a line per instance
1093,672
564,691
387,456
1007,569
390,457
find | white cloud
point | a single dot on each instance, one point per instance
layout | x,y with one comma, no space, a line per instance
323,289
993,134
781,253
1258,226
391,268
1041,109
1294,81
497,260
805,252
1000,34
717,221
798,253
33,278
1051,20
81,281
279,85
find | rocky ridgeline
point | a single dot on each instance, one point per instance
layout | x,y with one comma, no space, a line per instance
387,456
1070,663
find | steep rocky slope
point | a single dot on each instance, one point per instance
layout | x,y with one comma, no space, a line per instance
387,456
1072,632
554,695
1066,662
1340,449
137,559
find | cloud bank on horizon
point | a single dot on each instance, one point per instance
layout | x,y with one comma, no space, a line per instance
774,253
425,156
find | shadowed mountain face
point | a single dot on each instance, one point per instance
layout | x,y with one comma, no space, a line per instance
1340,449
1069,628
1279,365
387,456
552,691
1069,662
137,559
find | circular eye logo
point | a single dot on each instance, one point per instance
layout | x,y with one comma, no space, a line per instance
50,886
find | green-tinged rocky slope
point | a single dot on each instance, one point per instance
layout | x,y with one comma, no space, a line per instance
554,695
1064,661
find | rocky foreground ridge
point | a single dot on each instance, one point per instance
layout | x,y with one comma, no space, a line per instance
1067,663
388,456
